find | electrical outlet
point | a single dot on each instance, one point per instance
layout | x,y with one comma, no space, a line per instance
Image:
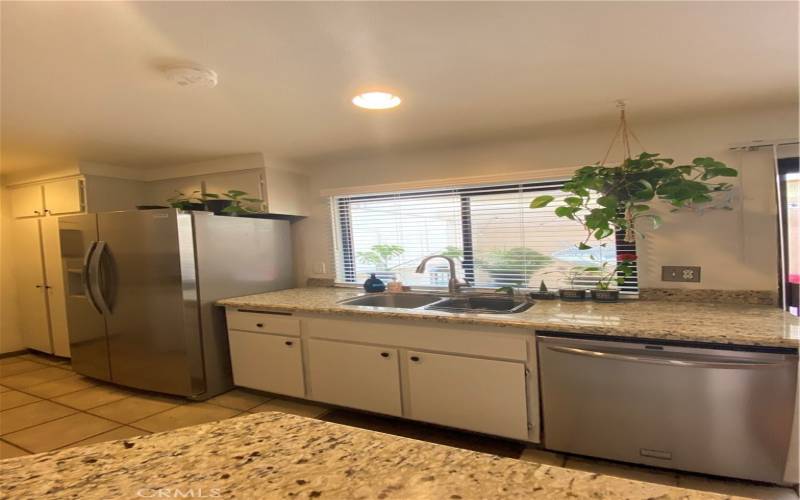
319,268
689,274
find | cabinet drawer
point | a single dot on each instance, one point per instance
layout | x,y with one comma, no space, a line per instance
262,322
480,395
353,375
271,363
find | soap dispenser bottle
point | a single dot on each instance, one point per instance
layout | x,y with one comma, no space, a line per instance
374,284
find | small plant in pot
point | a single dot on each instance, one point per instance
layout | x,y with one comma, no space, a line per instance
191,202
571,275
233,202
610,275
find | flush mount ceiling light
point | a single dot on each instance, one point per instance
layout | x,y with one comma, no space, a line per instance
192,76
376,100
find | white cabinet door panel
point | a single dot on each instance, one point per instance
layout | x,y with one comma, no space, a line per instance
356,376
31,294
27,201
271,363
468,393
64,197
56,294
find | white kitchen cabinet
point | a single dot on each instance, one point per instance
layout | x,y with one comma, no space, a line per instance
354,375
31,292
56,292
480,395
64,197
27,201
267,362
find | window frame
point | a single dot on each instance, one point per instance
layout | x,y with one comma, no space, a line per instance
342,216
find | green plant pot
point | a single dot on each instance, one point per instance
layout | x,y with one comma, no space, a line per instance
217,206
572,294
542,295
599,295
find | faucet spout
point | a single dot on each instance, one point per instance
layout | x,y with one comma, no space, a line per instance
455,283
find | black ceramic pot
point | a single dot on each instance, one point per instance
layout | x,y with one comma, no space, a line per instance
572,294
542,295
217,206
599,295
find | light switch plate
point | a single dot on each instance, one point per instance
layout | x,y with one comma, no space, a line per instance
690,274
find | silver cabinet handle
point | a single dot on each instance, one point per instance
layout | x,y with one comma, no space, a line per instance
85,276
662,361
94,278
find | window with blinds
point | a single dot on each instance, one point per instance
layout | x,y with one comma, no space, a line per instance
490,231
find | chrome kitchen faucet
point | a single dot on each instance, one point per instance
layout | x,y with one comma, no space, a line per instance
455,283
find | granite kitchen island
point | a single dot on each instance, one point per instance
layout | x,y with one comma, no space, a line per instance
275,455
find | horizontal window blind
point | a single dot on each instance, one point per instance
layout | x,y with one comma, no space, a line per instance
490,231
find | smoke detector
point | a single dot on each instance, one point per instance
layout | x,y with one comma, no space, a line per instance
192,76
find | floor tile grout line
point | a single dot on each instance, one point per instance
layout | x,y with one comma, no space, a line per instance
130,424
87,437
4,438
16,446
51,381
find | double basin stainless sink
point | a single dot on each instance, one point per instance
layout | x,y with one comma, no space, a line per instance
483,304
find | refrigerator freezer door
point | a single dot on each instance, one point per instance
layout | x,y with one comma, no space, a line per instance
88,344
147,282
235,256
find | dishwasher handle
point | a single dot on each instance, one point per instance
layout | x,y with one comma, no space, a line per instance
663,361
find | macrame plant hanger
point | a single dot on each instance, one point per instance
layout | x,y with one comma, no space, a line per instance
625,133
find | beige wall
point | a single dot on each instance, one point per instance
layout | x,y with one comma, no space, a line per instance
10,336
720,242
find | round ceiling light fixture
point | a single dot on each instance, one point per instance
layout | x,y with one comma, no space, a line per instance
192,76
377,100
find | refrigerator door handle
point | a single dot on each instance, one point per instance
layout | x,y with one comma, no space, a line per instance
94,278
86,276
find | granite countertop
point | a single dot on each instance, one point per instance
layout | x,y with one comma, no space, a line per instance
274,455
740,324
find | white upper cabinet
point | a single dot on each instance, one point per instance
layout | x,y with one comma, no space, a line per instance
59,197
64,197
27,201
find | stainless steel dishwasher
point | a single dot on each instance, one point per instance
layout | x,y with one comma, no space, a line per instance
718,411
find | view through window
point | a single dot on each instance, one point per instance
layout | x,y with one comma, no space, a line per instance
490,232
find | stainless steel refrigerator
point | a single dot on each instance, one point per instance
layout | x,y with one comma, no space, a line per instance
141,287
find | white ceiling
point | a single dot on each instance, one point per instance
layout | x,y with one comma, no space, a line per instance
81,80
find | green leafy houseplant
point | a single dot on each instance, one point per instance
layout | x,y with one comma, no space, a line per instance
238,202
609,274
183,201
626,192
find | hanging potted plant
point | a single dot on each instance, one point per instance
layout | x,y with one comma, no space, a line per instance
609,199
606,199
610,275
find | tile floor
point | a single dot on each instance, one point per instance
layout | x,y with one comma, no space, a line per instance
45,406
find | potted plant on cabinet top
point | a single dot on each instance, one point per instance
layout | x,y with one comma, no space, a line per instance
232,202
184,202
611,275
